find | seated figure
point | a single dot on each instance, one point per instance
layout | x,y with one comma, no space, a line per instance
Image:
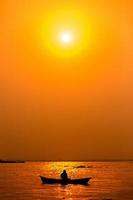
64,176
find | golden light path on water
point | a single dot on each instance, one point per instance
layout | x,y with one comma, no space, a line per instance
22,181
107,173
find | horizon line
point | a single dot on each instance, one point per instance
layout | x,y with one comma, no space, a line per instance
94,160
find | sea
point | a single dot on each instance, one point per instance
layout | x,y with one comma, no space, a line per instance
110,181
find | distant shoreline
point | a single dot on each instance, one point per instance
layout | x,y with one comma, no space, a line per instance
11,161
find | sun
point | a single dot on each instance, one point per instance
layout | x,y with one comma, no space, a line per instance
66,38
65,33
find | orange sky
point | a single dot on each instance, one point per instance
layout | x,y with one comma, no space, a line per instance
59,102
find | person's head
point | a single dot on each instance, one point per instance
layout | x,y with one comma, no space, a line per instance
64,171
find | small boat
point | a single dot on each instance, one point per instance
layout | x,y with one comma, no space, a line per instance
82,166
82,181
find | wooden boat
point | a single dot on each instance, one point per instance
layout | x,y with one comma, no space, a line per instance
83,181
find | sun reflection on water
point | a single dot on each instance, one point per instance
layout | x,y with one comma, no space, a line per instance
22,181
58,167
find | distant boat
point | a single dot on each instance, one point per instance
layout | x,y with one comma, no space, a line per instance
12,161
83,166
82,181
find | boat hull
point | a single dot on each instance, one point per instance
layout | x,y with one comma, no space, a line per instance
83,181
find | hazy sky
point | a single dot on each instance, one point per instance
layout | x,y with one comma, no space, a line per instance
59,102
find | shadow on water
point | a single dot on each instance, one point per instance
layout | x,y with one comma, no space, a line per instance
64,185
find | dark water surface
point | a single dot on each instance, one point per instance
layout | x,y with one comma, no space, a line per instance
110,181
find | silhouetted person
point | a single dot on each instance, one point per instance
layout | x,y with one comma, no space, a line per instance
64,176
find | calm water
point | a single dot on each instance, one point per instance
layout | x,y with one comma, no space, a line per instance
110,181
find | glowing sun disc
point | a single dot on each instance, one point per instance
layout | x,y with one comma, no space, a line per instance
66,38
